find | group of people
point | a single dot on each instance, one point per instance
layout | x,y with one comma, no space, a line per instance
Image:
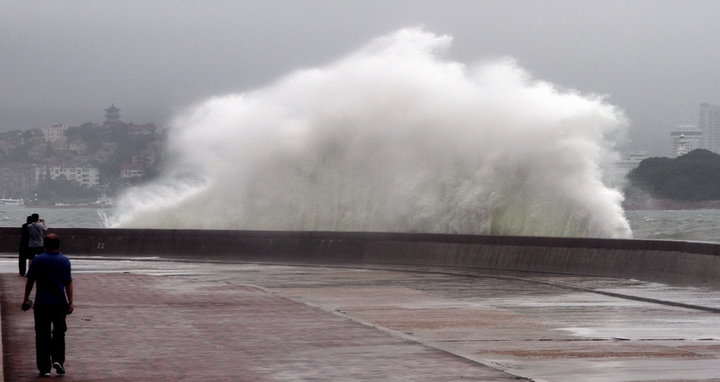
47,267
32,235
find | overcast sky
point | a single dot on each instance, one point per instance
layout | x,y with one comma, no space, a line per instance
65,61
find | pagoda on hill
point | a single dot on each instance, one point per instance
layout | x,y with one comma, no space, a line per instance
112,116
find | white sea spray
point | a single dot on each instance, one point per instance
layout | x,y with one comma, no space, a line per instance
393,137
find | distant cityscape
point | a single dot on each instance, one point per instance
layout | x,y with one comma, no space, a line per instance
685,138
91,163
86,164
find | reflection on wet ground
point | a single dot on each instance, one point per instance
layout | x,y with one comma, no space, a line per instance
542,327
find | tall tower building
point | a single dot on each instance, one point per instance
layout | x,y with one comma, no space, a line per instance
112,116
709,124
686,138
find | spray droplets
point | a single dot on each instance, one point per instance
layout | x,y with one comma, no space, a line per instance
391,138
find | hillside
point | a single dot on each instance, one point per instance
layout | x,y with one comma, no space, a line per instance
688,181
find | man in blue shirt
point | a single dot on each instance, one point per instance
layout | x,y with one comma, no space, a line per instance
53,302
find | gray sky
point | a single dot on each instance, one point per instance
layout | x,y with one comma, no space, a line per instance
65,61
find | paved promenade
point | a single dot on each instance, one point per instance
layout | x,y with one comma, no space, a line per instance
200,327
184,321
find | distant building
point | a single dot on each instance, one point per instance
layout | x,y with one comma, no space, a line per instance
709,124
77,146
616,175
107,149
146,129
85,176
629,161
112,116
686,138
128,171
54,132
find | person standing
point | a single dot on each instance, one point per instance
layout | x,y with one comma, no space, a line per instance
36,232
23,251
53,302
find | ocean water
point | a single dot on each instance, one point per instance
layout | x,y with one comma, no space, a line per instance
15,216
684,225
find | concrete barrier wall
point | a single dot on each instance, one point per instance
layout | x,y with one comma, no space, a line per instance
642,259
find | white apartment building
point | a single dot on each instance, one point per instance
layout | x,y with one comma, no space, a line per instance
709,124
54,132
686,138
86,176
616,175
128,171
630,161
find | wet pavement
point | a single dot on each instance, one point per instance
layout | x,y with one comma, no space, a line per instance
172,321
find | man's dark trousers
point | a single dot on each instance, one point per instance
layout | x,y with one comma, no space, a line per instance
23,257
50,331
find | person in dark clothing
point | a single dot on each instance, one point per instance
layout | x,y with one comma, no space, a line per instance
24,253
53,302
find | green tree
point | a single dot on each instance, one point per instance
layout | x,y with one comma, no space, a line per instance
692,177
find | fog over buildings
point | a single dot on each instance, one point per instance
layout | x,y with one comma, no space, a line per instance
64,62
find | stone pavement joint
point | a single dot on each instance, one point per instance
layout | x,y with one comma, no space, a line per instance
139,327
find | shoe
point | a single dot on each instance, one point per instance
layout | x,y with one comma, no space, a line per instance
58,368
44,374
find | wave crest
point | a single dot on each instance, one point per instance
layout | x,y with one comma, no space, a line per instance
393,137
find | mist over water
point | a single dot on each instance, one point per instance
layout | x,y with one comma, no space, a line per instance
393,137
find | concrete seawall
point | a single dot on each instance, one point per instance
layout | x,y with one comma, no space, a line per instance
641,259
